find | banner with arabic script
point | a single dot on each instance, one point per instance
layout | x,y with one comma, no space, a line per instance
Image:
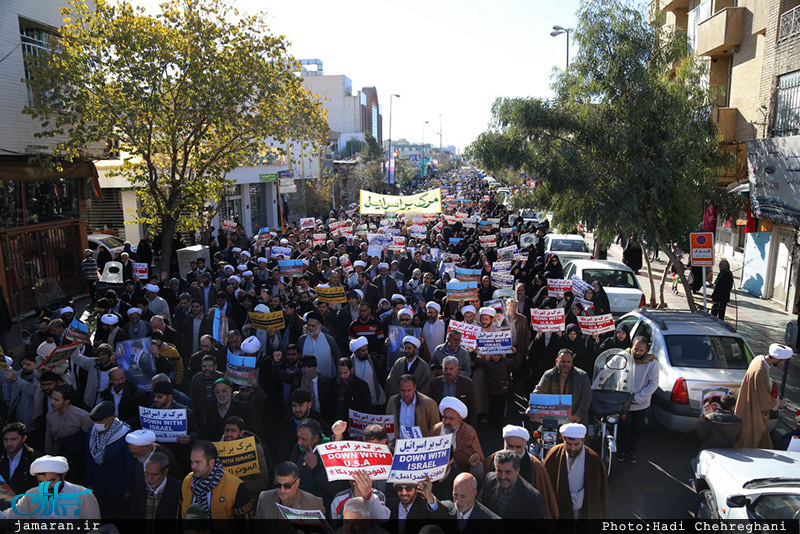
343,458
416,459
239,456
376,204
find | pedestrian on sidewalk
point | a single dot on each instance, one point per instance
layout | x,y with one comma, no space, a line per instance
722,290
677,271
90,271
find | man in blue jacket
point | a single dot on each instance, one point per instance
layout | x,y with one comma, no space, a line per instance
109,463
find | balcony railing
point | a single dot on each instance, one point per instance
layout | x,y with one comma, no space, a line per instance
790,24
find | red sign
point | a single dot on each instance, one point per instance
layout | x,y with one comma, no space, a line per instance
343,458
548,320
556,287
702,249
597,324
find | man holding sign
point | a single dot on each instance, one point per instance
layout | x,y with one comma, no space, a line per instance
467,450
287,493
566,379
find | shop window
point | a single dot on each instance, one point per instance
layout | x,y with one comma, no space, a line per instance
51,200
11,213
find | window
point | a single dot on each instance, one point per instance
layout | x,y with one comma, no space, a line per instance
51,200
611,278
707,352
787,107
10,203
35,39
568,245
107,213
789,24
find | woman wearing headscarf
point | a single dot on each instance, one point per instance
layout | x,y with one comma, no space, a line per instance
539,291
600,299
576,342
554,269
486,290
103,257
620,340
144,252
543,349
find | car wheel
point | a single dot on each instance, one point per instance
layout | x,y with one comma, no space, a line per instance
706,506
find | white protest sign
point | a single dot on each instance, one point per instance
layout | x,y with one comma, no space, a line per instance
416,459
359,421
344,458
547,320
167,425
469,333
598,324
139,270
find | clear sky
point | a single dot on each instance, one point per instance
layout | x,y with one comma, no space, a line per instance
443,57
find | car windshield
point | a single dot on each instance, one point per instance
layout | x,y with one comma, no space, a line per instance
777,506
568,245
528,214
708,352
110,242
611,278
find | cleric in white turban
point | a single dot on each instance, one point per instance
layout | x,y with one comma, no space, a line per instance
409,364
467,451
81,503
251,346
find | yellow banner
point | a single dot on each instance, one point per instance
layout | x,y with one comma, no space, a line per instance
267,321
375,204
331,295
239,457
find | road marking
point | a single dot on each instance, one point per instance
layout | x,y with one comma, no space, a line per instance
684,484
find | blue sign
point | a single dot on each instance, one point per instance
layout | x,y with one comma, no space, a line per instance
286,174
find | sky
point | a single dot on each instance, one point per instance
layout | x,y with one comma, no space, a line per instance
443,57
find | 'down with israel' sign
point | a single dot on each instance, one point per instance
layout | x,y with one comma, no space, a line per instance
167,425
416,459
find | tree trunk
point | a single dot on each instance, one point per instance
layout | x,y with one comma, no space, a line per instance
649,275
168,226
674,259
663,304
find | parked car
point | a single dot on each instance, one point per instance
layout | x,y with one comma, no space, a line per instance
530,216
567,247
747,484
623,289
695,352
112,243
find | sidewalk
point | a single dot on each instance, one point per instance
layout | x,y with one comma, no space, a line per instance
761,322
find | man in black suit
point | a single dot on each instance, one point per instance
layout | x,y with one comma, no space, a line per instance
509,495
159,497
130,397
347,392
453,384
371,292
470,516
192,329
386,284
205,292
16,460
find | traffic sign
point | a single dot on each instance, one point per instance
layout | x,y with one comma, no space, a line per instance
286,174
702,249
271,177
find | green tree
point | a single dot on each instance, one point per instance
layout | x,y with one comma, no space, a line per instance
627,144
191,93
351,148
373,177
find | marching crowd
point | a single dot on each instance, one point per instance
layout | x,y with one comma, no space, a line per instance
335,350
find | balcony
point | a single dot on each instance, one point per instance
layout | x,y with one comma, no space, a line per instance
673,5
726,119
719,34
789,25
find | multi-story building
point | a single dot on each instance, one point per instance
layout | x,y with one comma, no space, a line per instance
42,211
751,49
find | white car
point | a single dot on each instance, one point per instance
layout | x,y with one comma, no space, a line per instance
112,243
747,484
618,280
567,247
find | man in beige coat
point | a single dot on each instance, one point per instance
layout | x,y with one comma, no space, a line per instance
754,402
287,493
412,408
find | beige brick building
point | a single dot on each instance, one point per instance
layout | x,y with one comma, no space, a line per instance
752,49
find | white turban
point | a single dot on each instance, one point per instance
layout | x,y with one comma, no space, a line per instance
49,464
245,253
573,430
241,267
261,308
468,309
411,339
284,241
435,306
151,287
262,259
236,249
109,319
66,309
131,311
360,293
141,438
454,404
397,296
405,311
486,310
247,273
234,277
45,349
251,345
779,351
383,265
357,343
228,267
359,263
513,431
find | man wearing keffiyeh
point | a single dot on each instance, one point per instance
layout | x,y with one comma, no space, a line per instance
220,494
109,463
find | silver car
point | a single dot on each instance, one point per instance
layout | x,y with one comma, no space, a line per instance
567,247
620,284
695,352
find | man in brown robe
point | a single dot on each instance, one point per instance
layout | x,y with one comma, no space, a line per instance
755,402
466,447
578,475
531,468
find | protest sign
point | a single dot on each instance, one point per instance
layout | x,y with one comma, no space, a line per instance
467,275
263,237
501,267
454,240
320,239
290,267
488,240
59,354
469,223
345,262
507,253
597,324
267,321
420,458
78,331
547,320
410,432
229,226
239,457
167,425
362,229
307,222
276,251
503,280
332,295
450,219
447,267
396,334
219,326
448,257
505,231
585,303
494,342
135,353
376,204
241,369
556,287
139,270
418,231
460,215
709,393
428,217
462,290
579,286
398,243
303,517
359,421
344,458
551,406
469,333
494,221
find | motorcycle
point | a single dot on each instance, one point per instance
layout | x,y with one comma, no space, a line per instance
611,397
544,438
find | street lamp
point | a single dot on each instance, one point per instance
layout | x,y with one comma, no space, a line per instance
422,158
390,123
558,30
440,135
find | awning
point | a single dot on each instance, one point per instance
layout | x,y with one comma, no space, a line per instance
24,168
